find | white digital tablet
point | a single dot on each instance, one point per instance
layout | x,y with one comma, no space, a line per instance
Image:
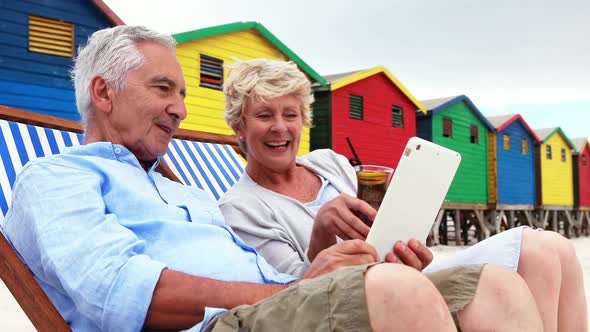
415,194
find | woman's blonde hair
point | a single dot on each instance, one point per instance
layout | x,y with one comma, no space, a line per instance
264,79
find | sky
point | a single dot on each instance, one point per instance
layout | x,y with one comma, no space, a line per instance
508,56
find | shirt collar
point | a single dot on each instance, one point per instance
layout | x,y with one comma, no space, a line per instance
111,151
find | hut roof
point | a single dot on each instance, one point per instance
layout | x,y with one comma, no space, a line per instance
431,104
500,122
437,105
108,12
240,26
579,143
545,134
338,81
335,77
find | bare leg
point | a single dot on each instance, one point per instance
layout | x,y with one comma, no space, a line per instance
400,298
540,267
550,267
502,302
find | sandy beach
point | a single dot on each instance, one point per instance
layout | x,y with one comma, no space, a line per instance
12,318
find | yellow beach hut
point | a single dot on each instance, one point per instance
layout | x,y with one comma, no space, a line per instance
554,162
204,55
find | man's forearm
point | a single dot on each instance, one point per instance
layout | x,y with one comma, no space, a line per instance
180,299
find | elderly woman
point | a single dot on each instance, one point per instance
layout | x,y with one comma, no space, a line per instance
291,208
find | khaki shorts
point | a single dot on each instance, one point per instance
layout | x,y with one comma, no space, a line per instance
335,302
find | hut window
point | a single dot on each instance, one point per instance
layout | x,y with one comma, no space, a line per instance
525,146
563,155
447,127
356,107
548,151
584,160
506,139
397,114
51,37
474,136
211,72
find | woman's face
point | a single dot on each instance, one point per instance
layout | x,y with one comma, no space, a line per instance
272,131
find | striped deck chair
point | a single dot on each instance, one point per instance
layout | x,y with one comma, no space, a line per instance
20,143
208,161
210,166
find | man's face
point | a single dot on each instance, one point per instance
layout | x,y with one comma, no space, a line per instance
147,112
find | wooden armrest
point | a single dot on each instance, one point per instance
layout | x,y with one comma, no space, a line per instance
27,292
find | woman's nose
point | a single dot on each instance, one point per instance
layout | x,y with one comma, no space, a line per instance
279,125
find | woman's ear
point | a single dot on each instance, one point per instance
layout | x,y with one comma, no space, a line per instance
239,132
100,92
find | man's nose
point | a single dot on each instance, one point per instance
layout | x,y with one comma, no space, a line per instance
177,110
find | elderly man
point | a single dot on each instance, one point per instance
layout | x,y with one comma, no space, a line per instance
118,247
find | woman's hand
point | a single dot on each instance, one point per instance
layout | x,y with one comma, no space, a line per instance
414,254
337,218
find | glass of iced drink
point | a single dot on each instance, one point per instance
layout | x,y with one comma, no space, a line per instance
372,183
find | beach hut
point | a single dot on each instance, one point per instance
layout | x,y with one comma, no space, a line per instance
204,55
39,40
369,107
555,180
511,169
456,123
581,164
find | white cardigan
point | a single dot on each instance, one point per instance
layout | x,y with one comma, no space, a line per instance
278,226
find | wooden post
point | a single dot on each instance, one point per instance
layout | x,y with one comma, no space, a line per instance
435,227
529,218
568,224
510,219
457,221
500,217
554,222
482,224
493,220
545,219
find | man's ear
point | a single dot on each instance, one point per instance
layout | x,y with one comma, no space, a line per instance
101,94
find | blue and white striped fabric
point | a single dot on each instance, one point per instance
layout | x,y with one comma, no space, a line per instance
20,143
212,167
209,166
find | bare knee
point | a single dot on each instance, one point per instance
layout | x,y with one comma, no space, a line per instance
559,244
538,248
394,290
504,293
541,255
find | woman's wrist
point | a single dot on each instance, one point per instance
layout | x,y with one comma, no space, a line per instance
319,241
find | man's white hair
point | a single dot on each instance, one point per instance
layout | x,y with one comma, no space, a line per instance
111,53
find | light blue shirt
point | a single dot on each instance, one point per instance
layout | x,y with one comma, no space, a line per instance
327,193
96,230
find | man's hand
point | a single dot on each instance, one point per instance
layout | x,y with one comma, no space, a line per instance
347,253
414,254
337,218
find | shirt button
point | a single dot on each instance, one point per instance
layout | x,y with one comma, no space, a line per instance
117,150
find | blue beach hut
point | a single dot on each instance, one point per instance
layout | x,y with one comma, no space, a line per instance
38,41
512,179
